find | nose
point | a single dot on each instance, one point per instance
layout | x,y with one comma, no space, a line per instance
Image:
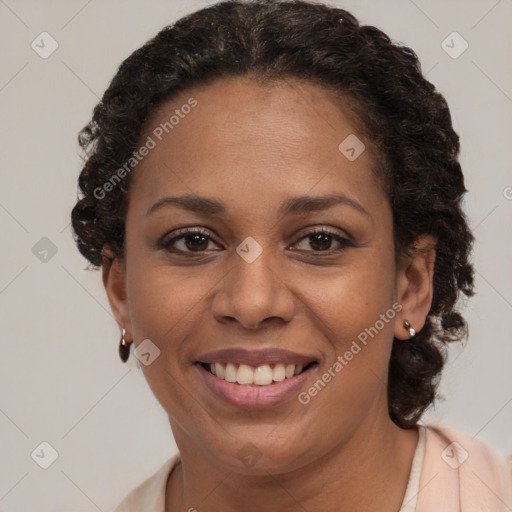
252,294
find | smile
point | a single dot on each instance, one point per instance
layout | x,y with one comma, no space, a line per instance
255,387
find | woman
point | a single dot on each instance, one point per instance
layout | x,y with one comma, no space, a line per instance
274,194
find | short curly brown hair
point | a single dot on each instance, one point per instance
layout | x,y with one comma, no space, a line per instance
402,114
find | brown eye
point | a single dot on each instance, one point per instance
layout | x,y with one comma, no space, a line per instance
195,242
322,241
187,240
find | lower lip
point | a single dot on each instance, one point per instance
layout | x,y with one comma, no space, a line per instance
253,396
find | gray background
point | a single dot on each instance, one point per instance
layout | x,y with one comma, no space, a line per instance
61,378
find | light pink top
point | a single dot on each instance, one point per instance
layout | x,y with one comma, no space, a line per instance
450,472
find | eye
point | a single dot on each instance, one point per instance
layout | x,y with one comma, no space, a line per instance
187,240
198,240
321,240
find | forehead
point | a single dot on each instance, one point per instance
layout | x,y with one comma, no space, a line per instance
244,141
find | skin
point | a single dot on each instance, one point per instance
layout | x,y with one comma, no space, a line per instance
252,147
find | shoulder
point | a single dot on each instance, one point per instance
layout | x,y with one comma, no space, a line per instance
464,471
150,494
459,446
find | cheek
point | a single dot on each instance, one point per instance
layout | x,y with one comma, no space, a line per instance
353,297
166,309
355,312
167,306
164,306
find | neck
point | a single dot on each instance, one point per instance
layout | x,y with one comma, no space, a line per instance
372,467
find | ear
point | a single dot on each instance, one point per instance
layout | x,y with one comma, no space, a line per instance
415,289
114,283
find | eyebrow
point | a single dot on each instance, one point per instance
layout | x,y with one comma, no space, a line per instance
292,206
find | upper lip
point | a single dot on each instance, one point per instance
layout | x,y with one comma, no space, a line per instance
256,357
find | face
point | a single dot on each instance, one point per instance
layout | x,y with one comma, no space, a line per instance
284,257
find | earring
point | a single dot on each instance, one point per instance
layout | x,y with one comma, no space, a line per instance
124,348
408,326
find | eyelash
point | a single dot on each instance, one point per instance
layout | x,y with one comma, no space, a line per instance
166,244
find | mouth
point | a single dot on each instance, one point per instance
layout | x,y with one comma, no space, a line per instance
262,375
259,385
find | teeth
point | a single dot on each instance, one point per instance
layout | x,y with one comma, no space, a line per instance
219,370
230,373
279,373
261,376
244,375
